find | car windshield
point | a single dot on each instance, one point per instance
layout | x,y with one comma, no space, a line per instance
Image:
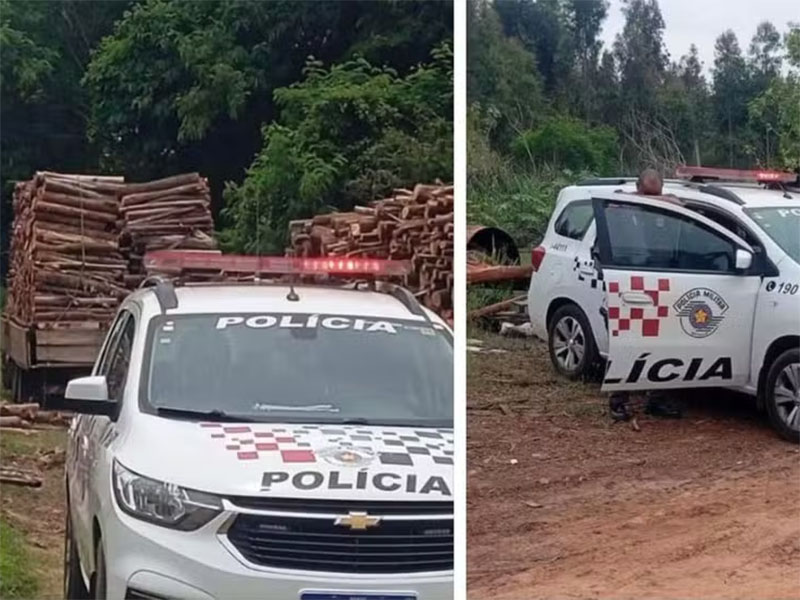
301,368
782,224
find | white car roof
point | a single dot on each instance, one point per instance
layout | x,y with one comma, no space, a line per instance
272,298
752,196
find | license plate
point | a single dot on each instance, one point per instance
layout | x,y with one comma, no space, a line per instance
358,596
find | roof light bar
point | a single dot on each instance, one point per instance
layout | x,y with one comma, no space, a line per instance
177,261
760,175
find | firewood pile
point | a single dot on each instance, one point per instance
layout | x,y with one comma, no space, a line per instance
171,213
29,415
65,261
414,225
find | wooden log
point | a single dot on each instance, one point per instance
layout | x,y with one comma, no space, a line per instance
99,204
162,184
141,197
13,421
77,213
19,410
16,476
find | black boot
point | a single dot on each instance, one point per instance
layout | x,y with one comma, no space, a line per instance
618,407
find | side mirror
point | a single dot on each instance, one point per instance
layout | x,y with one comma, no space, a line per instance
89,395
744,259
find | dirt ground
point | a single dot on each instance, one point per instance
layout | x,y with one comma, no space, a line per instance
564,504
37,513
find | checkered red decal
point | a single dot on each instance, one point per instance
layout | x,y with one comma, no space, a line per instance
391,447
242,440
623,318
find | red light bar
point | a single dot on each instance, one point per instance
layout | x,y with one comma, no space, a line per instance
684,172
176,261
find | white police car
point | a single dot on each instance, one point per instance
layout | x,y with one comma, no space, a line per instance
699,287
264,441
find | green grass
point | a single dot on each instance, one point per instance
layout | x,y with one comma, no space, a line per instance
19,444
16,577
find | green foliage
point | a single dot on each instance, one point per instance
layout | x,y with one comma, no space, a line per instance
180,79
792,43
571,144
504,88
347,133
520,201
16,578
148,88
774,117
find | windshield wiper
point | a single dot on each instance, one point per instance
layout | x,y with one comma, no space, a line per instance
330,408
210,415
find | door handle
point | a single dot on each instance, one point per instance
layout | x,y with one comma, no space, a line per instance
637,298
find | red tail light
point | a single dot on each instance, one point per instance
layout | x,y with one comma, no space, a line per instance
537,256
175,261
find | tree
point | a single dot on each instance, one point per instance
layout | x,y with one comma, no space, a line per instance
685,104
541,28
607,91
774,115
731,89
45,47
187,85
345,134
503,85
640,54
765,57
584,22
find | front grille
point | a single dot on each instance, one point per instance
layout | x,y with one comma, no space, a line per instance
311,544
342,506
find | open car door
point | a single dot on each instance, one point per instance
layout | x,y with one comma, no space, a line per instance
680,295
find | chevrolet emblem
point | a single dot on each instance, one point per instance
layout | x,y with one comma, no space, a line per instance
357,520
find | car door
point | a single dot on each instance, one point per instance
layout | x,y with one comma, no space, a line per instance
91,429
679,312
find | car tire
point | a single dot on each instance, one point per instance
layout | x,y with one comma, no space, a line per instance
782,395
100,582
74,587
570,341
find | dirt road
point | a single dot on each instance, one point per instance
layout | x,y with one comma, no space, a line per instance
563,504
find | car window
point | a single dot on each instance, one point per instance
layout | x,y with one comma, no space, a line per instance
119,360
575,219
111,341
651,238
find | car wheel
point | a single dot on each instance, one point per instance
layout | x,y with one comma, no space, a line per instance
782,395
571,343
74,587
100,572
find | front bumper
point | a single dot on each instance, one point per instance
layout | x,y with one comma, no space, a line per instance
201,565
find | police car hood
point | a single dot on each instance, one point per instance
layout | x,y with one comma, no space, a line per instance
294,461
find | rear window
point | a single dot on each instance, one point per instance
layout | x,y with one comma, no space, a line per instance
574,220
301,367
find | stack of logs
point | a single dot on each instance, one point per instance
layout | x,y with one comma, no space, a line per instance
171,213
26,415
65,261
414,225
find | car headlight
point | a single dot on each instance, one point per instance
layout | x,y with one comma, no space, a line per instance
162,503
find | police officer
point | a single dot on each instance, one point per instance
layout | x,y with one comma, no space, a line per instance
649,183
